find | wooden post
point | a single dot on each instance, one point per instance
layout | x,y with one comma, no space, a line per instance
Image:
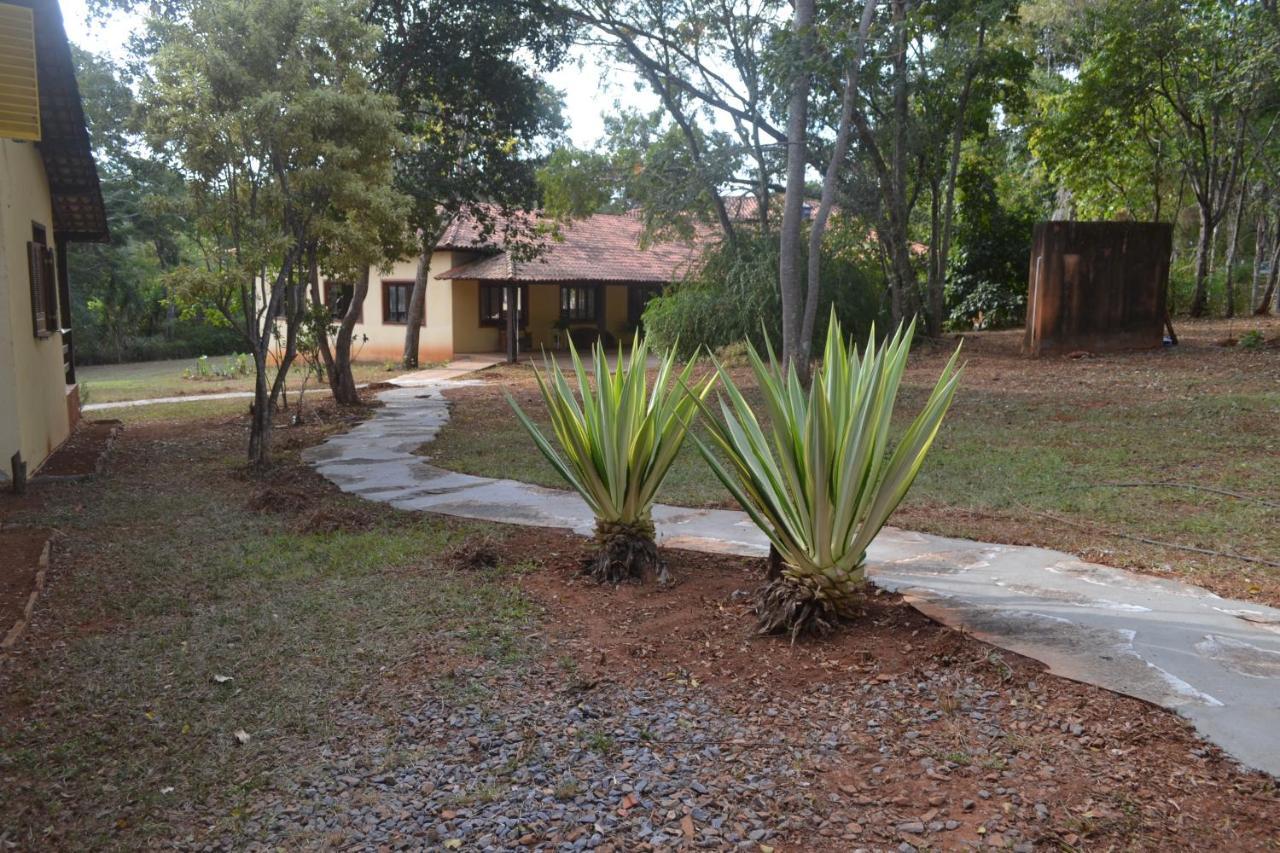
19,468
513,323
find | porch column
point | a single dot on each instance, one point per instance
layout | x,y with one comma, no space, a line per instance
512,297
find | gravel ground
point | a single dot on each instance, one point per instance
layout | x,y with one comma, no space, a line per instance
654,765
634,767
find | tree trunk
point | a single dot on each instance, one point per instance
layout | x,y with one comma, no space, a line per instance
1232,244
908,299
1204,247
1261,228
938,277
417,305
260,323
793,203
295,307
322,340
1268,296
819,225
341,382
260,421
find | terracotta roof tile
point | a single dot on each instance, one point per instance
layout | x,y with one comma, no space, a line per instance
603,247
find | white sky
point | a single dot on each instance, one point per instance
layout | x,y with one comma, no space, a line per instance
590,87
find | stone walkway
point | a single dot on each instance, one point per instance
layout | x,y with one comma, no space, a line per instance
1213,660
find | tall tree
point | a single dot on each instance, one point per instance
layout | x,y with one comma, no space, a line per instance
1196,75
266,108
467,75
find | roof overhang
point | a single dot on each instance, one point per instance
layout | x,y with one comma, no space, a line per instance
78,210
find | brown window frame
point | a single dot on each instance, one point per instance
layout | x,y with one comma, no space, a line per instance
43,280
329,288
387,284
486,318
596,299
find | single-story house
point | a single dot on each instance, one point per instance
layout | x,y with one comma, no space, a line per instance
49,197
591,278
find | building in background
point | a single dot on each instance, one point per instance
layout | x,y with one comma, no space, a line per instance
590,280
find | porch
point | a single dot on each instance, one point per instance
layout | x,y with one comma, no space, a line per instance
548,315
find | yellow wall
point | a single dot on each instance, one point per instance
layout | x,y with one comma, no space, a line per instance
615,310
453,315
468,334
33,391
386,340
544,310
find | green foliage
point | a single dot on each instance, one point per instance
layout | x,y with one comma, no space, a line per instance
987,279
466,74
268,107
819,478
576,184
235,365
645,166
120,307
733,295
1251,340
618,443
183,339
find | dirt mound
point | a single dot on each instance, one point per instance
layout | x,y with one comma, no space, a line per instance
337,519
279,498
475,554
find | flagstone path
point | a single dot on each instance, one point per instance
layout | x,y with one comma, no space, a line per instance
1213,660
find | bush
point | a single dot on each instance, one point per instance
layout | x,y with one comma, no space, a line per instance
733,295
190,339
987,271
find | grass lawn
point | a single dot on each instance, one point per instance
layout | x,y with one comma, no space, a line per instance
1035,452
178,571
110,383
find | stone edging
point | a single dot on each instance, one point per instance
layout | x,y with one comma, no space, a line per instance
97,466
19,628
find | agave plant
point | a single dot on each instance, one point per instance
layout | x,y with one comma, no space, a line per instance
820,480
617,444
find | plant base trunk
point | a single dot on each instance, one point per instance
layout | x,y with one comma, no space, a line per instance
786,605
626,553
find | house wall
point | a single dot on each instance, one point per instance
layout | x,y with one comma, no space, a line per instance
453,315
543,311
615,310
386,340
468,334
33,391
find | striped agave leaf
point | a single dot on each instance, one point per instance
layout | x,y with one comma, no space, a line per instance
820,480
617,443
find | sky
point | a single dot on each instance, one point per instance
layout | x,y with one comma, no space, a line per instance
589,85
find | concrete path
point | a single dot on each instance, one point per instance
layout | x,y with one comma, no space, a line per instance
1213,660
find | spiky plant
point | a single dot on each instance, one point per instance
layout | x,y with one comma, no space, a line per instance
617,445
820,480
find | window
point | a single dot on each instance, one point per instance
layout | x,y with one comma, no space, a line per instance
493,305
579,302
338,297
395,302
44,293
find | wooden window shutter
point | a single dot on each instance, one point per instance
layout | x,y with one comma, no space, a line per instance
49,281
19,89
35,268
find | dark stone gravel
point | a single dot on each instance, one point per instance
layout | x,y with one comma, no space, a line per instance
507,759
635,767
